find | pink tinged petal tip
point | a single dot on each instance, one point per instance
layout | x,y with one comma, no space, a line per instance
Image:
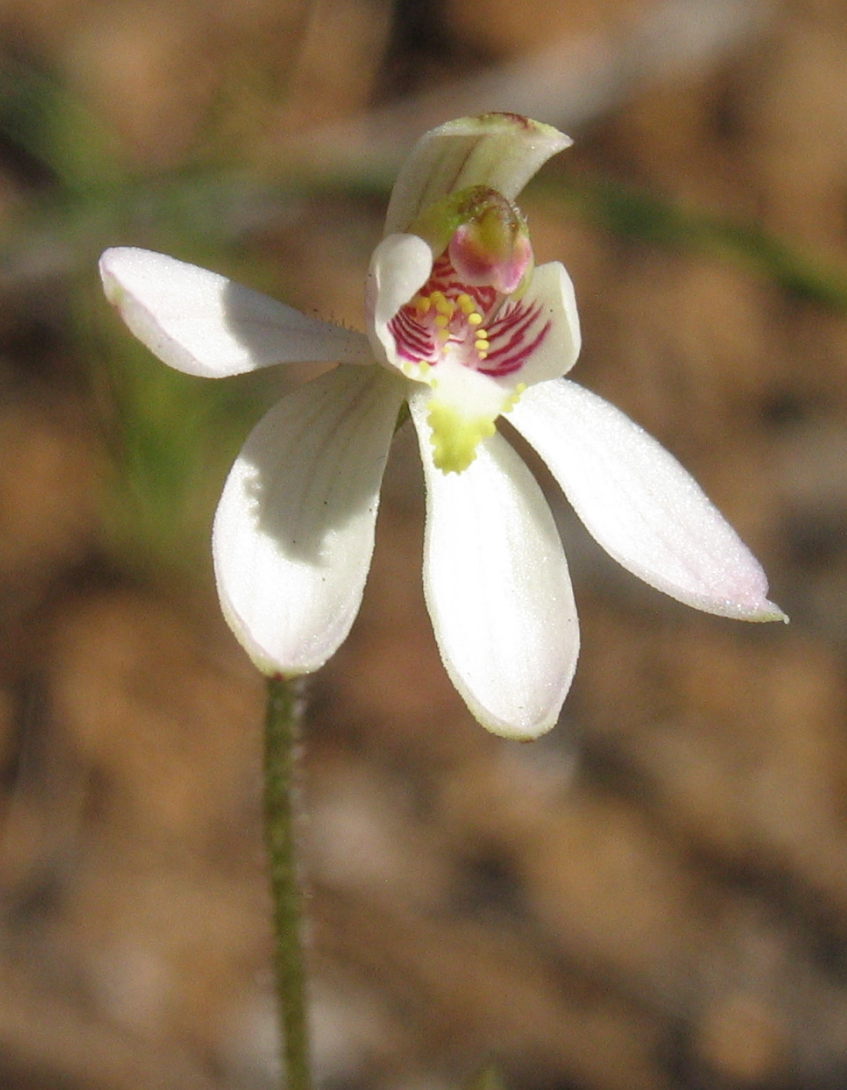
640,504
201,323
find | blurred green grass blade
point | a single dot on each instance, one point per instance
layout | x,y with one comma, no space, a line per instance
650,219
40,116
174,438
488,1078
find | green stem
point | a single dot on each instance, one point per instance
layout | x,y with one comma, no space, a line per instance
281,741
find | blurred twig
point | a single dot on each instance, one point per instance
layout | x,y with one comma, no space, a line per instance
567,84
212,208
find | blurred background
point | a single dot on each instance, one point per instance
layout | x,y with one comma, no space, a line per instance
654,897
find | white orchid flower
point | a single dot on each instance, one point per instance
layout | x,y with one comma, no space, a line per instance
463,328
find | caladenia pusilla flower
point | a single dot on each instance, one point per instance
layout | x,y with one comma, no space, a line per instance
463,328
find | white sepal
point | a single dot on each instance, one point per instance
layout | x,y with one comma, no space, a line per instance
294,530
204,324
497,588
500,151
640,504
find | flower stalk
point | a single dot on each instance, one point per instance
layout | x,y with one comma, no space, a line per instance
282,727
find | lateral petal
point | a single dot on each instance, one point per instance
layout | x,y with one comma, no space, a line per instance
399,267
551,294
204,324
640,504
294,530
497,588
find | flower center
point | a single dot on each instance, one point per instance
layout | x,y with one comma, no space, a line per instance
470,324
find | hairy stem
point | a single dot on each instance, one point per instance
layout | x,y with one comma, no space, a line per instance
282,726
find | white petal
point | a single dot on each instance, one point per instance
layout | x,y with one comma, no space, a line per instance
400,266
640,504
501,151
294,529
204,324
497,588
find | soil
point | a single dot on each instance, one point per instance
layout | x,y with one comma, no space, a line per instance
652,897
